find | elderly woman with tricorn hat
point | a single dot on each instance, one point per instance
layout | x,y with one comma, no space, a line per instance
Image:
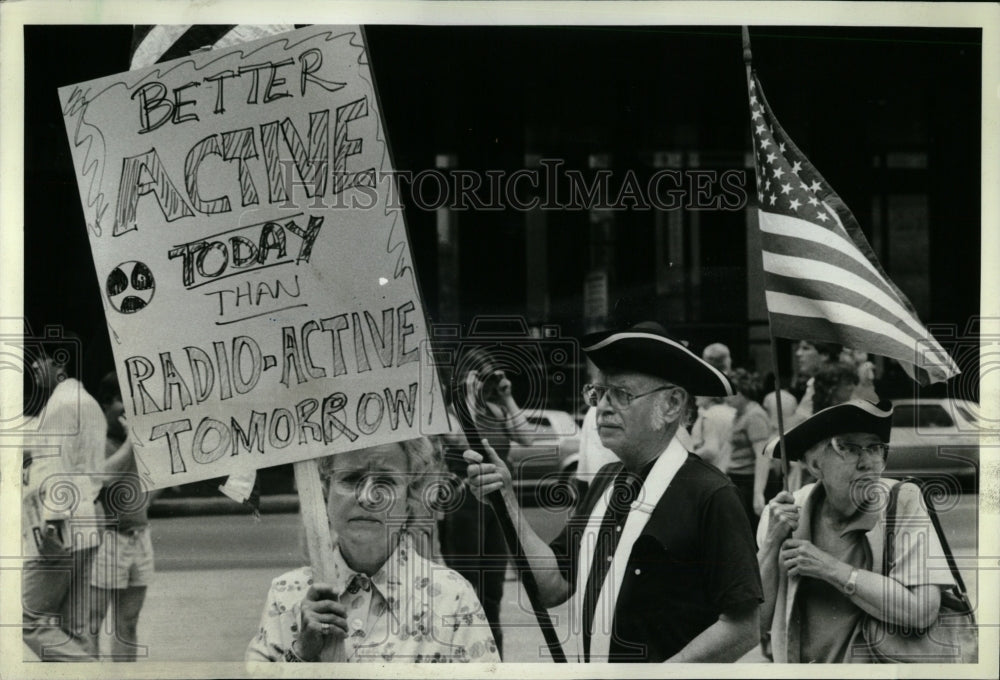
383,601
821,548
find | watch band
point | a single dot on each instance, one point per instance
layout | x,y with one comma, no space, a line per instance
851,586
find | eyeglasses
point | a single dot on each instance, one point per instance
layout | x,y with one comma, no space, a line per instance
353,482
619,397
852,453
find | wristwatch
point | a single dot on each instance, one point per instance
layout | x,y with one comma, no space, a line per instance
851,586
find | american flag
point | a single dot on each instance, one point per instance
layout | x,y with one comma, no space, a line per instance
163,42
822,280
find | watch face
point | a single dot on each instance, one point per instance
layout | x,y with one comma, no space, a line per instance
851,584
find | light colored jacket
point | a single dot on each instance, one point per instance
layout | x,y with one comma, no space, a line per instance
919,559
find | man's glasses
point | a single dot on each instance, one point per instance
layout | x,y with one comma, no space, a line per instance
852,453
619,397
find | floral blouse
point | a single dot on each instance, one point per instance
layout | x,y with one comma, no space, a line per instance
412,610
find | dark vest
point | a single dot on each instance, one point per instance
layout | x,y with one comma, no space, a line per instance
669,592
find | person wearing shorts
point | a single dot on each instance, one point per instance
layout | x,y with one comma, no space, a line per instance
123,566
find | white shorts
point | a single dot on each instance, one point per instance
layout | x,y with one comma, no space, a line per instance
124,560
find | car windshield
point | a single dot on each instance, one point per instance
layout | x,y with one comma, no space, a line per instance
541,423
921,415
552,423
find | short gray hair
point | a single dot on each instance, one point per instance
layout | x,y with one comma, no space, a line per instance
425,466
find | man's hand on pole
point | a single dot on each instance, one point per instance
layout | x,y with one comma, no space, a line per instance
486,475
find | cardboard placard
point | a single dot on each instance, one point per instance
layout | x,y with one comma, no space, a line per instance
255,271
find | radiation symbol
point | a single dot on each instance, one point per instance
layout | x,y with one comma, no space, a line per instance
130,287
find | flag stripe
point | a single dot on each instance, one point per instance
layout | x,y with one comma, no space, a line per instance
854,232
248,32
809,251
810,309
821,277
139,34
820,329
823,291
825,193
779,228
195,38
854,321
155,41
154,44
933,362
823,280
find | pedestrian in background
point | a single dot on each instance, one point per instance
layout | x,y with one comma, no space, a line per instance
123,567
834,383
472,542
810,357
770,403
713,426
61,462
749,470
865,388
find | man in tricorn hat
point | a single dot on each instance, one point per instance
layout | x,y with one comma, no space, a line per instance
659,559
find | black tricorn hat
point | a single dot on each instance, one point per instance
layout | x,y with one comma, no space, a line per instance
646,348
849,417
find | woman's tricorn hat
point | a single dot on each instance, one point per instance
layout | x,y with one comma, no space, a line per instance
646,348
849,417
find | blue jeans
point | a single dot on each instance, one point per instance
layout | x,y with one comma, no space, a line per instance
56,609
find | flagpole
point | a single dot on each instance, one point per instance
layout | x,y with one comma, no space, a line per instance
780,407
747,61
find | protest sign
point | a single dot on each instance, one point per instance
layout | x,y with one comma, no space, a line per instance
256,277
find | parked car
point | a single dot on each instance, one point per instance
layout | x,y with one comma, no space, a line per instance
543,469
935,439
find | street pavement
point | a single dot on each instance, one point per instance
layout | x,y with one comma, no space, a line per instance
213,573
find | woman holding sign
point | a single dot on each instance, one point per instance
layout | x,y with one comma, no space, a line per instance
385,602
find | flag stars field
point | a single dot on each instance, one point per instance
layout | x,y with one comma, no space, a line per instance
822,279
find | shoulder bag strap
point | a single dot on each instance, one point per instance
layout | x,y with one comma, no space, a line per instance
932,512
889,546
889,552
